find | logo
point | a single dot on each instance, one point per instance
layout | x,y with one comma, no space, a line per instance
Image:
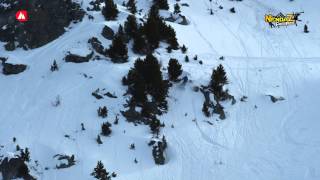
282,20
22,16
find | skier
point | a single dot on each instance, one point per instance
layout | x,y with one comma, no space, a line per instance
296,17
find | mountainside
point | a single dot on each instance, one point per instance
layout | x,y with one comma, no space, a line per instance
270,129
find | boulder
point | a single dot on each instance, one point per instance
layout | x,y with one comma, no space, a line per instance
9,69
77,58
96,45
107,33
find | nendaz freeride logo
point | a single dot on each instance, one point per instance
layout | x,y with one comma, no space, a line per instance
282,20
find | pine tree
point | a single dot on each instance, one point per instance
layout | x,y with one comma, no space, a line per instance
99,172
218,80
25,155
103,112
121,32
232,10
174,69
168,34
131,5
186,59
105,129
99,139
184,49
131,26
153,77
305,29
118,50
139,43
205,110
155,125
162,4
171,38
177,9
110,11
151,30
54,66
219,76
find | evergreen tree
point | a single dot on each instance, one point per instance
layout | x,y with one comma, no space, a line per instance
99,172
232,10
177,9
103,112
305,29
155,125
118,50
184,49
110,11
186,59
121,32
105,129
174,69
131,5
99,139
218,80
219,77
161,4
131,26
151,31
139,43
54,66
169,34
205,110
153,77
25,155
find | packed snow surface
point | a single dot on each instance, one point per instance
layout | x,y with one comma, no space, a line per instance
259,139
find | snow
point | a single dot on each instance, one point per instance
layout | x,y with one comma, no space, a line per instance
258,140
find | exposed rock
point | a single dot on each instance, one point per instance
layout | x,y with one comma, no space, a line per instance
48,21
185,4
65,161
180,19
14,168
275,99
96,94
107,33
78,59
110,95
9,69
96,45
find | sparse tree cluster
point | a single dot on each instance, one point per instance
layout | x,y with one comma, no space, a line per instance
146,79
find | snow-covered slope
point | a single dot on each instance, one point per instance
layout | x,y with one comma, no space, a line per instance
259,140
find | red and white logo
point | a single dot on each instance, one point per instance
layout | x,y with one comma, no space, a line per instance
22,16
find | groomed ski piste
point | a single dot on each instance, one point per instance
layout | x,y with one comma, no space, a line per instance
259,139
